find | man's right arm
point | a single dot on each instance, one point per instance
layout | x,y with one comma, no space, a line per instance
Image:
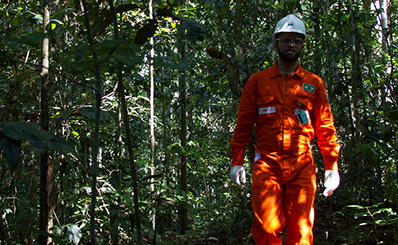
247,116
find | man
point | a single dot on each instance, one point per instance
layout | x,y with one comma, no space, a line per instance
289,106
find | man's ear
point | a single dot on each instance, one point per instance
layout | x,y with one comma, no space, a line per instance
275,45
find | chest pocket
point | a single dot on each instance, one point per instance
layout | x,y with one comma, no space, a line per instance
266,110
305,103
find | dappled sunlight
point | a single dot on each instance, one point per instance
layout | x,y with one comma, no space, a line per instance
117,119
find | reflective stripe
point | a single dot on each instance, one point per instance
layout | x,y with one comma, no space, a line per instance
267,110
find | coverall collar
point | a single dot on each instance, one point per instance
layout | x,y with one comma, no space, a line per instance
275,71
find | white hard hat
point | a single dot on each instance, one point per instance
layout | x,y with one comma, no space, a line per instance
290,23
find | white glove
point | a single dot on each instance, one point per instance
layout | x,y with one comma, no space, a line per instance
238,176
332,181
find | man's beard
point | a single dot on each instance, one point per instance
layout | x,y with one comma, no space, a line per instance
289,57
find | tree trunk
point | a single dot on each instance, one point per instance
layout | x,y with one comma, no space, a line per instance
152,110
120,89
162,218
46,167
240,41
356,85
133,165
152,94
183,211
95,146
234,75
317,11
116,207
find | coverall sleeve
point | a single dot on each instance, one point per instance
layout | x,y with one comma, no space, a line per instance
325,130
247,116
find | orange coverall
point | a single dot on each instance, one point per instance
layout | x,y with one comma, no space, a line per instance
284,181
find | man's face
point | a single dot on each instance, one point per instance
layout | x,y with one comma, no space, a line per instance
289,46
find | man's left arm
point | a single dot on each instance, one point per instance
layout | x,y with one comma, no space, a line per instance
327,140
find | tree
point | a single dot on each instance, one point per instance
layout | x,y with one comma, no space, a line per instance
47,203
148,163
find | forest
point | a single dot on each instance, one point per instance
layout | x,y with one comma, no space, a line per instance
116,118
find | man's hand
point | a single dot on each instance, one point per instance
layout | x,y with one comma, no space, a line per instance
238,176
332,181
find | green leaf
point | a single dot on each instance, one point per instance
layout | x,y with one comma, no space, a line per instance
147,31
57,230
34,231
15,21
37,137
66,114
34,39
37,18
192,30
394,115
37,143
355,206
90,113
379,69
180,67
12,150
11,131
55,22
73,233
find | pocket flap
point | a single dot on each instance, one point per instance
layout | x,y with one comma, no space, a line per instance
265,100
306,101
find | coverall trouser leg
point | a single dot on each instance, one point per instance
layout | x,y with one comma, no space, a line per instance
280,202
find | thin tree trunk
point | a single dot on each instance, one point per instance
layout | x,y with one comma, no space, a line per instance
115,221
232,71
384,20
95,146
152,94
152,116
317,11
130,150
161,217
46,168
356,85
183,211
355,71
240,41
120,89
133,165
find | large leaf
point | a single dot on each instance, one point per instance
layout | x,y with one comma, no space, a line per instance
192,30
33,39
147,31
39,232
11,150
90,113
73,233
37,137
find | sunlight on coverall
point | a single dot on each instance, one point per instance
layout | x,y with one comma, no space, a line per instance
284,181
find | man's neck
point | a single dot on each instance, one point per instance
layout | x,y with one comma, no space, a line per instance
287,67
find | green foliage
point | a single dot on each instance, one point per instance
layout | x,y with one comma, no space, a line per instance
192,30
34,231
13,133
377,222
71,233
35,136
11,150
347,46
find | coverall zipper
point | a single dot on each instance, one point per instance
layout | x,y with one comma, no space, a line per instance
285,168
